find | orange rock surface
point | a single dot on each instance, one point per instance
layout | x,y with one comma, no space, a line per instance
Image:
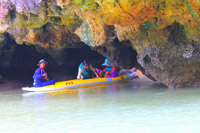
127,16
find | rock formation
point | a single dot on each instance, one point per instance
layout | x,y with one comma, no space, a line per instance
162,35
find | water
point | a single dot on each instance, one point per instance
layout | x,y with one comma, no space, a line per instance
124,108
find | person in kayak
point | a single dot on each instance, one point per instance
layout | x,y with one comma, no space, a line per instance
86,70
40,75
109,70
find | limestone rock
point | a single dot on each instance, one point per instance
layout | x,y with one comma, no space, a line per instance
164,34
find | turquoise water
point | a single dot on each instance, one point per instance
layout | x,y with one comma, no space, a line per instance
124,108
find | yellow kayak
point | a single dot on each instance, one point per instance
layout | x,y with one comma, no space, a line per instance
81,83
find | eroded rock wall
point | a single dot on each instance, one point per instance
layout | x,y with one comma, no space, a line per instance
172,58
165,34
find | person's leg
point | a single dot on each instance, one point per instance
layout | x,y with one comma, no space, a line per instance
50,82
102,73
98,71
107,75
37,85
114,74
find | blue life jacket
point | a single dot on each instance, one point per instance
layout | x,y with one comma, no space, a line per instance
38,78
87,73
108,69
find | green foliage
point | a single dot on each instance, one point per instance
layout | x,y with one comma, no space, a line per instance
85,4
55,20
191,11
146,26
199,3
192,33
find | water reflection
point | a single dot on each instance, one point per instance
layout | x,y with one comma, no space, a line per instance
131,107
79,92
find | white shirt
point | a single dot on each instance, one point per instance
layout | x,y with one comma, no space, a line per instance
80,71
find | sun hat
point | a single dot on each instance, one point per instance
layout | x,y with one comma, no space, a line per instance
42,60
106,63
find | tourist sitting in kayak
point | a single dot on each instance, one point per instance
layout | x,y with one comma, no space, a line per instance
40,75
85,71
108,72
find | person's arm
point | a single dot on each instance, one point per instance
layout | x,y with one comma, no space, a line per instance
45,76
79,74
37,74
106,74
94,71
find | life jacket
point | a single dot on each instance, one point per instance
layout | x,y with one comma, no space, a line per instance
87,73
38,78
109,69
113,72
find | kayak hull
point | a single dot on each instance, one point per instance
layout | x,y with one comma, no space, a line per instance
70,84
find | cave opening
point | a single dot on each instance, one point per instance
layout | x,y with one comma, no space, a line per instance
18,62
122,54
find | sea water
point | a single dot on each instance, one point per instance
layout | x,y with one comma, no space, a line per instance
131,107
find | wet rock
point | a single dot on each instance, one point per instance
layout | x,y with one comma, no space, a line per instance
160,37
121,54
18,62
173,61
7,48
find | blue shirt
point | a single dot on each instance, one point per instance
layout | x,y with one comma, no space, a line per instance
108,69
38,78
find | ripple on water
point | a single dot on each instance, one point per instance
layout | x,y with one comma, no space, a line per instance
132,107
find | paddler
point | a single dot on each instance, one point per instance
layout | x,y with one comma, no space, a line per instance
40,75
86,70
109,70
